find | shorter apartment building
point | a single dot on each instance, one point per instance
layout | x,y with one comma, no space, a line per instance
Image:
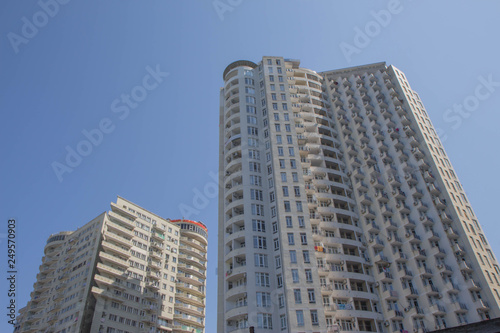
128,270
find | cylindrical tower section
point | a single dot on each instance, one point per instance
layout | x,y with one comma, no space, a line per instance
191,275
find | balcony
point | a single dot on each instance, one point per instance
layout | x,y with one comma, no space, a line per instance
109,247
114,260
110,270
437,310
472,285
118,239
464,266
390,295
431,290
420,254
481,306
457,249
395,314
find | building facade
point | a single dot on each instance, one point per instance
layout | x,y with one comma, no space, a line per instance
127,270
339,209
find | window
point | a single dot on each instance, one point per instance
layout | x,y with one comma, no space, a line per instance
257,209
296,190
275,227
291,241
281,300
282,164
283,322
252,120
256,195
283,96
250,100
277,261
311,295
287,128
278,139
255,180
280,150
285,191
291,151
283,176
288,221
301,221
269,169
248,72
262,280
260,260
309,278
271,78
273,87
299,206
303,238
279,280
305,255
251,109
295,275
276,244
264,320
258,225
300,317
289,139
273,97
287,206
275,106
254,166
280,78
279,70
297,296
249,81
282,87
269,62
263,299
293,257
259,242
293,164
249,90
277,127
295,177
314,317
253,154
271,196
252,131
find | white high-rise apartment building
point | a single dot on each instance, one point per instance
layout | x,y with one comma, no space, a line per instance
339,209
128,270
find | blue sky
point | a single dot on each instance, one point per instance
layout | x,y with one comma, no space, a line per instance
72,73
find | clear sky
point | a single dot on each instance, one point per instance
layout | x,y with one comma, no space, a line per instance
69,72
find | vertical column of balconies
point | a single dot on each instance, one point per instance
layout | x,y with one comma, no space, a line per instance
450,211
310,112
190,299
391,149
354,139
236,163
